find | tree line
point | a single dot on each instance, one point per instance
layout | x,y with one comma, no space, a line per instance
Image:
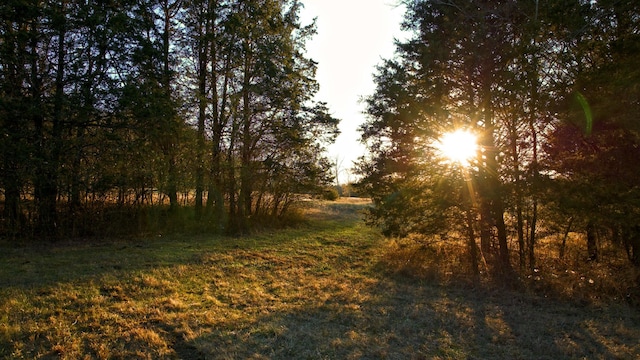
551,90
111,106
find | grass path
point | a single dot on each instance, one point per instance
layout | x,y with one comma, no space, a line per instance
312,292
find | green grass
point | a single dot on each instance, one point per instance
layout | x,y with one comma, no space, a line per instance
316,291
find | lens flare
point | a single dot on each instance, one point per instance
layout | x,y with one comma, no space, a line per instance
587,113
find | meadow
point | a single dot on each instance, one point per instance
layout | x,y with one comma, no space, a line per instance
327,288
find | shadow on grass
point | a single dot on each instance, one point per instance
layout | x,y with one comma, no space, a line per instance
407,321
42,263
308,292
49,264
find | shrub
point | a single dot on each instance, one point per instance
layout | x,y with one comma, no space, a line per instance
330,194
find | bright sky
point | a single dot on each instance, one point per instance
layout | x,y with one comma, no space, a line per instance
353,37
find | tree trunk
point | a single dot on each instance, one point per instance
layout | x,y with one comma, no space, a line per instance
563,245
46,181
634,245
532,235
172,188
245,165
215,199
592,245
203,47
473,251
485,228
534,81
234,226
492,190
11,182
505,263
171,148
520,230
518,193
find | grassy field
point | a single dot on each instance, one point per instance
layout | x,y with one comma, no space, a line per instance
316,291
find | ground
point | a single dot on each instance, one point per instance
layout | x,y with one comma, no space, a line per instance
315,291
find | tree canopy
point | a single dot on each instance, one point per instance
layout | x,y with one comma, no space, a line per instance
113,105
549,89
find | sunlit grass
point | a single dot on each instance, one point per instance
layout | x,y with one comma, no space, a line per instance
323,290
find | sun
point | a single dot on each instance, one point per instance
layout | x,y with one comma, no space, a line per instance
459,146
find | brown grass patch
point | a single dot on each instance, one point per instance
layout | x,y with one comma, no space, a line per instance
572,279
430,259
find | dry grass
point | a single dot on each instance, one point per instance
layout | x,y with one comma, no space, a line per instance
571,279
318,291
612,279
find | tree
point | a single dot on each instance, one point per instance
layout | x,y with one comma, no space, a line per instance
450,76
591,152
103,103
272,83
14,107
507,71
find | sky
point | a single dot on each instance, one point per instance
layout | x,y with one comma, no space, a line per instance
353,37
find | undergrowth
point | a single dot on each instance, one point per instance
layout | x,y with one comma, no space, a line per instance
108,220
572,278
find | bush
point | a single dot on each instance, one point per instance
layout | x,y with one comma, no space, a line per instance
330,194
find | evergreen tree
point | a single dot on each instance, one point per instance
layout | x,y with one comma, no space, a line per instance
103,103
508,71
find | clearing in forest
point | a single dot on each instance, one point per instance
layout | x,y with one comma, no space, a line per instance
315,291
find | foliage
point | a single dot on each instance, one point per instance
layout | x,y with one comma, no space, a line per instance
139,102
547,89
330,193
